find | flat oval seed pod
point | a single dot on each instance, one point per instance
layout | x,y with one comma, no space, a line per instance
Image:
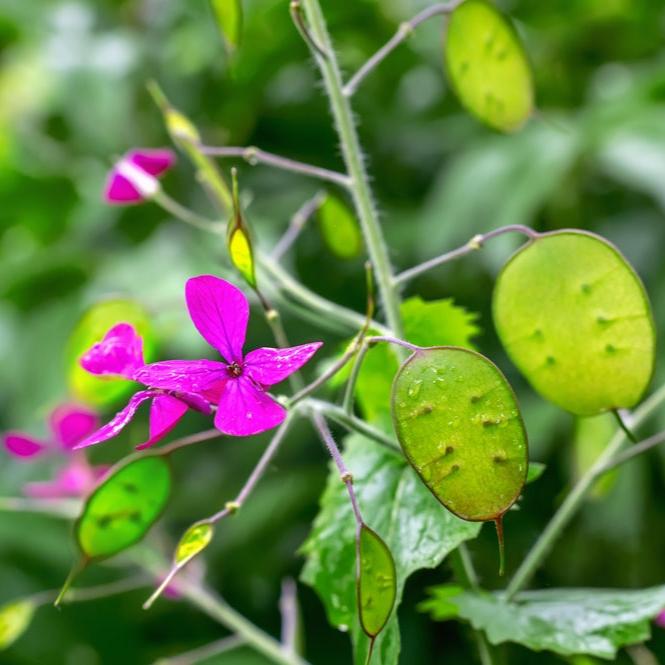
193,541
574,317
376,582
124,507
339,228
15,617
459,425
95,323
487,65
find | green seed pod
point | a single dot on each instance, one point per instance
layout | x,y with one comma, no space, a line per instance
574,317
376,582
124,507
15,618
339,228
193,542
459,425
487,65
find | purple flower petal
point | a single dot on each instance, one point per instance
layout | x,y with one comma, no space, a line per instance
71,423
197,402
165,413
119,421
119,353
220,312
660,619
23,445
155,161
244,409
76,479
187,376
269,366
119,191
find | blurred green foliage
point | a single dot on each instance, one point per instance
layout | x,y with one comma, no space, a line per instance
72,97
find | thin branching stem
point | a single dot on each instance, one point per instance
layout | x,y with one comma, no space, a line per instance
403,32
62,508
634,451
186,215
297,224
355,166
253,155
204,652
474,244
205,435
288,608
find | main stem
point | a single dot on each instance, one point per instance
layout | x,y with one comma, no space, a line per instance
352,154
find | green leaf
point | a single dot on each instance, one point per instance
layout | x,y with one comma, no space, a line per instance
418,530
193,541
575,319
15,617
426,323
487,65
594,622
339,228
123,508
95,323
228,14
459,425
535,470
376,582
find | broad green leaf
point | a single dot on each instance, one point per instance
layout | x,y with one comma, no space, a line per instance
124,507
487,65
595,622
376,582
15,617
535,470
339,228
575,319
426,323
193,541
458,422
95,323
228,14
591,437
418,530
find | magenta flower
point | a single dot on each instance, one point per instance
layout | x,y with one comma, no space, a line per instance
133,179
120,354
220,312
69,424
660,619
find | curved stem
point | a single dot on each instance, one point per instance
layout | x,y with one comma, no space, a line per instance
203,653
185,441
296,225
186,215
576,497
350,422
474,244
353,158
253,155
403,32
217,609
349,391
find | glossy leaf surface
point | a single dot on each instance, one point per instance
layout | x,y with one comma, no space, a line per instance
418,530
596,622
487,65
376,582
459,425
91,328
339,228
15,617
124,507
575,319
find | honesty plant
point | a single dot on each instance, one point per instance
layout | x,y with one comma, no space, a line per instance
422,470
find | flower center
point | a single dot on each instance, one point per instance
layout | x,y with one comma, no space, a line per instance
235,369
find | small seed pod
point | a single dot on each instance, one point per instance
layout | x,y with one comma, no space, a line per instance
574,317
487,65
459,425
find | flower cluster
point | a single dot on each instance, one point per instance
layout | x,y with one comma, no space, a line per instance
69,424
236,390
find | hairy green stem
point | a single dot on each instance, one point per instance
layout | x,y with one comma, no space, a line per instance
353,159
574,500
